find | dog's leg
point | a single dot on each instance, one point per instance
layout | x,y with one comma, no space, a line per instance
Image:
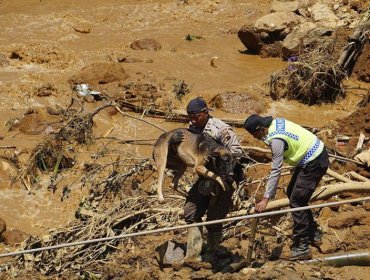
160,158
203,171
176,178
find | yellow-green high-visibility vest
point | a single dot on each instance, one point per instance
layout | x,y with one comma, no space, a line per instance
303,146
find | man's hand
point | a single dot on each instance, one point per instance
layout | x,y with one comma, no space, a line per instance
260,206
177,137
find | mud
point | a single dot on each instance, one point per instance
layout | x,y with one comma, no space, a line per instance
48,47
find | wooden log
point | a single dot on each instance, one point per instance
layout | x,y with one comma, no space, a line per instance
337,176
324,192
360,142
358,176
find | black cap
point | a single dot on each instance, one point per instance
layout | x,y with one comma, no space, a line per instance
255,122
196,106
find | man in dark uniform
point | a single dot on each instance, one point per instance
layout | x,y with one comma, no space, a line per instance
201,199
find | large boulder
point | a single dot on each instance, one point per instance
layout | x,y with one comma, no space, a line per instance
170,252
318,38
276,22
14,236
293,42
250,39
323,14
99,73
284,6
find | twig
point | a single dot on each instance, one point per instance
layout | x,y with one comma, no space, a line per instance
336,234
139,119
8,147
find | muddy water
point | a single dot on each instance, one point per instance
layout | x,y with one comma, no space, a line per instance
46,28
34,213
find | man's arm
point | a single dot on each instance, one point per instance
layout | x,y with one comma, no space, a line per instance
277,148
229,139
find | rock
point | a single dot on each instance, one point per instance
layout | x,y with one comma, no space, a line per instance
170,252
99,73
293,42
348,219
202,274
55,110
250,39
33,124
78,24
358,237
329,244
326,213
238,103
45,90
318,37
14,236
276,22
284,6
248,271
322,13
2,226
367,205
129,60
146,44
4,61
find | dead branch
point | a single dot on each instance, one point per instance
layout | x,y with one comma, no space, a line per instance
322,193
313,79
358,176
337,176
326,192
133,117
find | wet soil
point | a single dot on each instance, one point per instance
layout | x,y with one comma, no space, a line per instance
47,47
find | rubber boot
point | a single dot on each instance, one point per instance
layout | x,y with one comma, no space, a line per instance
214,251
213,240
316,237
194,244
301,249
193,250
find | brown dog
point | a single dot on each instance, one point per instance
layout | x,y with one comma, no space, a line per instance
204,154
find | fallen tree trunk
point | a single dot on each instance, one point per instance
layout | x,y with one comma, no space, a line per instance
322,193
325,192
338,176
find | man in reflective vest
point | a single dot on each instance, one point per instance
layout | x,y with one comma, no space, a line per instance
297,147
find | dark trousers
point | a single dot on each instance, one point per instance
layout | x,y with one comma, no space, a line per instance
200,201
301,187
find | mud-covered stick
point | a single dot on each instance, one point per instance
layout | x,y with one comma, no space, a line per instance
251,240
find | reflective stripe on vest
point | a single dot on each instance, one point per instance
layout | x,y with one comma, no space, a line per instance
303,146
310,152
